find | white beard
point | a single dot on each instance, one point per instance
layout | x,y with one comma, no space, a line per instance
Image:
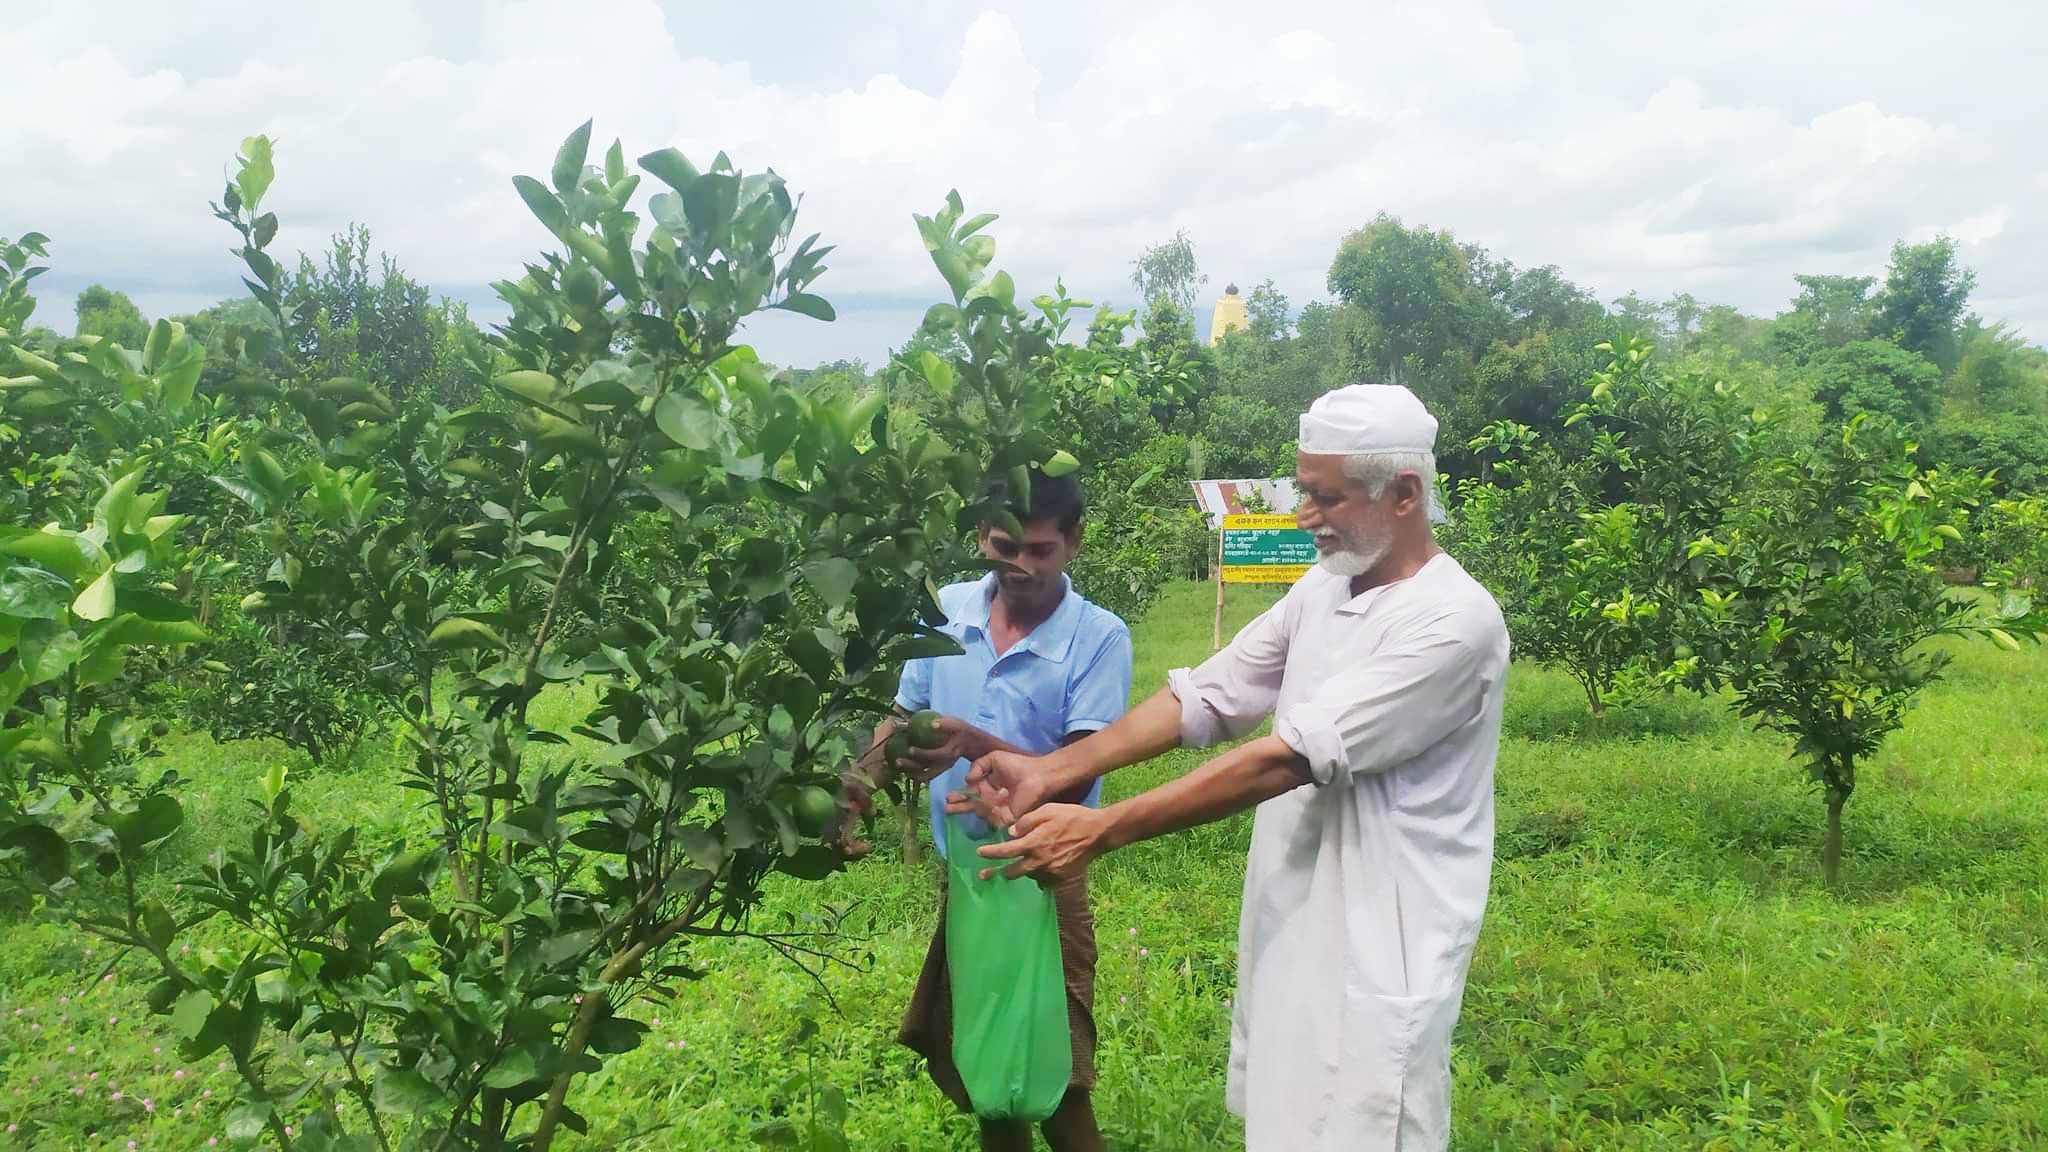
1356,558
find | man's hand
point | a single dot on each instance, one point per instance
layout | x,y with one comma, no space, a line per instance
1055,842
963,742
971,802
858,792
1011,784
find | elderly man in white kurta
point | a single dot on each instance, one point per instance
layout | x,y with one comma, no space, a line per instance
1383,671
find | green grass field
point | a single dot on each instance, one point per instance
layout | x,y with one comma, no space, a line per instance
1660,966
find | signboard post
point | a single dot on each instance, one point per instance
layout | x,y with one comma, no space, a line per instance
1259,549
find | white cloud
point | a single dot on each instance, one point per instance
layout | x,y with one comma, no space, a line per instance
1680,157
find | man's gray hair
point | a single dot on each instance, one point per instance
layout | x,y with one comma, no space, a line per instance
1376,470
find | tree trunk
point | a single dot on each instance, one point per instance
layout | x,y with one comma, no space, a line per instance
906,820
1831,847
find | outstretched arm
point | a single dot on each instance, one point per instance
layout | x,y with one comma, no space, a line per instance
1012,783
1058,840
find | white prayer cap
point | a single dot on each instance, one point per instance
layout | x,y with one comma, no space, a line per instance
1366,419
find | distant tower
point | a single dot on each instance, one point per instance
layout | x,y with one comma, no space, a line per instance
1229,314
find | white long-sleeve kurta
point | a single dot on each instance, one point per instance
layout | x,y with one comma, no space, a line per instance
1364,891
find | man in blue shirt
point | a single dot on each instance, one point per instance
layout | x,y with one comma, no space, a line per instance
1041,667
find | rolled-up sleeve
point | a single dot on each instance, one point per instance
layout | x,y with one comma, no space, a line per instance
1236,688
1388,709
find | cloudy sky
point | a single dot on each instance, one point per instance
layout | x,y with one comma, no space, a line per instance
1713,149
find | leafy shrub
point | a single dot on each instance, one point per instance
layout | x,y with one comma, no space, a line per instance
1821,594
252,687
455,987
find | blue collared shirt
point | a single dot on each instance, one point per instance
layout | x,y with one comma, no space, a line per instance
1071,674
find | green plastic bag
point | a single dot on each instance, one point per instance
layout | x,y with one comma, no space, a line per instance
1010,1039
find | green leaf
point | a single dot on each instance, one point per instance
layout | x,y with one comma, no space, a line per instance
37,594
671,168
133,629
189,1017
97,601
686,420
704,849
403,876
569,160
178,379
667,210
709,203
257,171
47,852
157,924
530,386
542,204
832,1105
615,1034
157,816
116,502
2003,639
832,578
919,647
517,1066
405,1090
158,343
272,782
247,1120
776,1134
937,372
53,658
816,307
1062,462
462,632
565,946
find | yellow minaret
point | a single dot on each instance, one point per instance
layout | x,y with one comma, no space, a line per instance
1229,314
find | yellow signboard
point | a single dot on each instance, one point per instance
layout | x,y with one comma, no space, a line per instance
1264,549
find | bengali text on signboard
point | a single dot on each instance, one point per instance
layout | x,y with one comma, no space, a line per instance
1265,550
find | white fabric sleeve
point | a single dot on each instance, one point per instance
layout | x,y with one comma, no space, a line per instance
1236,688
1386,710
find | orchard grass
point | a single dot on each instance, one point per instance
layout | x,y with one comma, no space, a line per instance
1661,965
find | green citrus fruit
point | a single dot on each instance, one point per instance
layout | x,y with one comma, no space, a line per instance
924,729
815,810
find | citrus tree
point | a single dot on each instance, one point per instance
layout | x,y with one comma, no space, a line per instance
1568,571
1589,535
1822,593
454,983
2012,539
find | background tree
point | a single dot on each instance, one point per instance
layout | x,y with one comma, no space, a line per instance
1876,376
342,319
1406,295
1829,311
106,313
1925,291
1999,373
1271,317
1169,270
